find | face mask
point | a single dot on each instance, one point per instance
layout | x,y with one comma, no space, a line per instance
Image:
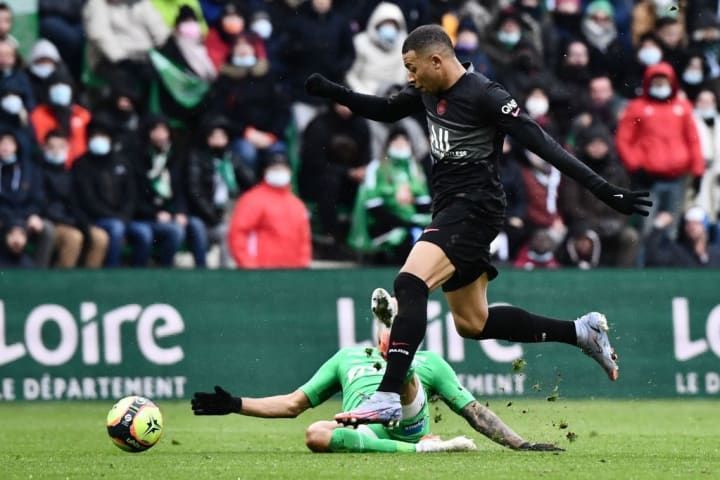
278,177
537,106
466,46
660,93
508,38
388,33
263,28
55,158
217,152
244,60
12,104
60,94
190,30
706,113
7,71
692,77
649,55
99,145
42,70
8,160
399,153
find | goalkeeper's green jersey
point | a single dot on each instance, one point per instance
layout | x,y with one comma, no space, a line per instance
357,372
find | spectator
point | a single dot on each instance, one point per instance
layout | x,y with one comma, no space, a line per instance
61,23
467,49
537,104
582,211
12,248
120,33
21,197
221,37
567,19
648,53
707,120
658,143
121,112
184,56
15,117
13,77
538,253
514,232
45,67
671,37
574,71
693,250
270,226
508,48
694,75
317,39
106,190
251,98
705,39
600,33
216,177
61,111
161,208
582,248
73,232
393,203
335,152
542,182
170,9
6,25
378,51
605,105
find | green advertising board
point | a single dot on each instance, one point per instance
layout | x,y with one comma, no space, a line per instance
164,334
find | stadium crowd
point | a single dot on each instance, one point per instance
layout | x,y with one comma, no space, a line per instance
137,129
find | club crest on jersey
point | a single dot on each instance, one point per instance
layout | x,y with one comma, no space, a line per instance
509,107
441,107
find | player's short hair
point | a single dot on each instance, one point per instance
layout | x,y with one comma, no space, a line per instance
426,37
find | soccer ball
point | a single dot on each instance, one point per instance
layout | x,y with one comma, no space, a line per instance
134,424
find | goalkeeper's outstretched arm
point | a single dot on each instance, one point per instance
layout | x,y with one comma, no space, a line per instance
221,402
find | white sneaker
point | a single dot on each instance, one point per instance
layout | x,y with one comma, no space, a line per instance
436,444
383,306
593,339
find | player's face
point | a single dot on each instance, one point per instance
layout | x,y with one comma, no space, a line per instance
423,71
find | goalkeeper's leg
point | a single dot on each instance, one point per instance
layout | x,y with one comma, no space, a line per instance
332,437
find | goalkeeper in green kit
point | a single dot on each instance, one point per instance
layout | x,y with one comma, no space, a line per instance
356,372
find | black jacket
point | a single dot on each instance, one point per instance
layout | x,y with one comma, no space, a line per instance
661,251
21,193
201,185
149,203
105,186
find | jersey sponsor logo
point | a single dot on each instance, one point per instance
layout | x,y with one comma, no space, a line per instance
510,107
439,140
441,107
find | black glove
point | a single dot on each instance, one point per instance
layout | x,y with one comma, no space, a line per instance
218,403
319,86
624,200
540,447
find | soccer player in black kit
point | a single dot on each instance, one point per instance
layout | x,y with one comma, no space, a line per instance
468,116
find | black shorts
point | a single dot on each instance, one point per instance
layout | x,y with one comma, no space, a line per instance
464,233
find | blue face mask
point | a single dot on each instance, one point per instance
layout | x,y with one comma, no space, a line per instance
509,38
244,60
9,159
99,145
388,33
60,94
55,158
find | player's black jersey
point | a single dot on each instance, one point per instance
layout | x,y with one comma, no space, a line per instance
467,124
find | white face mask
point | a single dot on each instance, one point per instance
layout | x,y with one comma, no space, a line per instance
650,55
399,153
9,159
42,70
262,27
661,92
509,38
244,60
706,113
388,33
12,104
537,106
56,158
99,145
60,94
278,177
693,77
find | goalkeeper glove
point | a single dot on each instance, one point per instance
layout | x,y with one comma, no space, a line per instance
220,402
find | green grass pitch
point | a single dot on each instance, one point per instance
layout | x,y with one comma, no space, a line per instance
613,439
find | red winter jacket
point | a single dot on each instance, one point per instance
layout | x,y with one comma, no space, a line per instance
657,136
270,228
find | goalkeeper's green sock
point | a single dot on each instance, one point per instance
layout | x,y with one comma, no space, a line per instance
348,440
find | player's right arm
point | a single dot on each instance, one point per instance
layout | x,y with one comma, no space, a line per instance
391,109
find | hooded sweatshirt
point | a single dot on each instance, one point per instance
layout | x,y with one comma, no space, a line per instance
660,136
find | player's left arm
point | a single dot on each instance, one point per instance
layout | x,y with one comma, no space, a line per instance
512,120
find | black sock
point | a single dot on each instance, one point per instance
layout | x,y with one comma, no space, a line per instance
407,331
517,325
